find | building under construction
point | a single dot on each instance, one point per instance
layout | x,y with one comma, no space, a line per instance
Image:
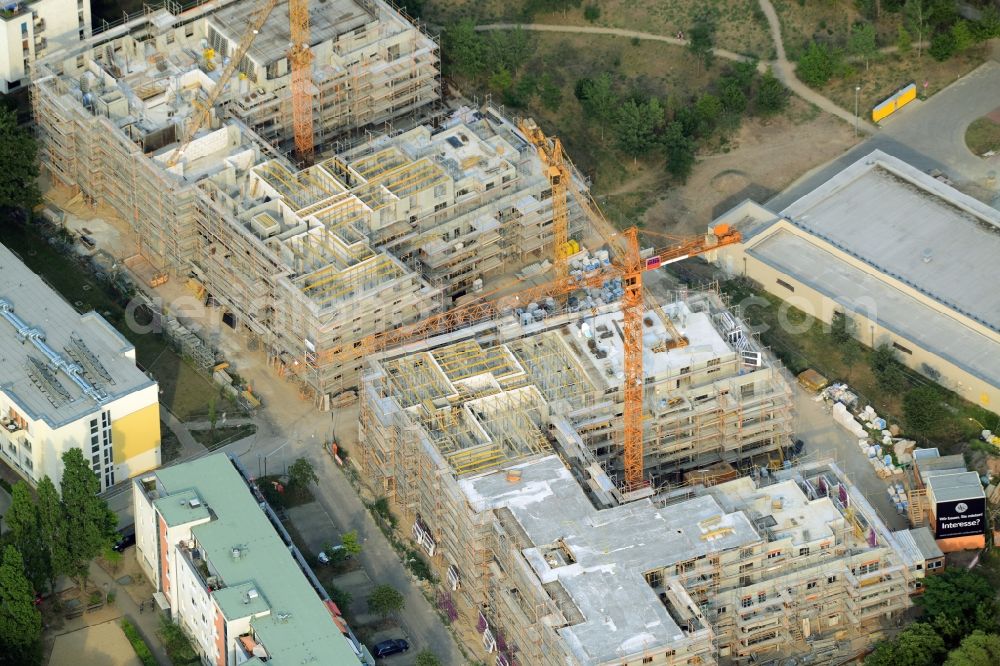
304,261
498,443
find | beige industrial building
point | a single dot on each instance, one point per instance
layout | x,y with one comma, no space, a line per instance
496,445
906,256
306,262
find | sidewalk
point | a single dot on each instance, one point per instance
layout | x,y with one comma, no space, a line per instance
147,622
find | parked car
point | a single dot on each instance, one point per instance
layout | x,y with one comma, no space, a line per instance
127,538
335,553
390,647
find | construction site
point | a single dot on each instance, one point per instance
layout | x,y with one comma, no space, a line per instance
306,257
600,475
496,443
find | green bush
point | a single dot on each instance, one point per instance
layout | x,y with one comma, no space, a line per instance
141,649
177,644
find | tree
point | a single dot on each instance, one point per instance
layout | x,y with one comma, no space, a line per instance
52,525
708,109
861,42
18,186
817,65
702,40
903,40
598,98
841,327
772,96
176,642
917,645
591,13
551,95
20,621
464,51
501,80
887,369
636,125
89,523
958,602
427,658
734,100
350,542
680,149
942,46
917,18
961,34
301,473
509,49
27,536
977,649
385,600
850,354
923,410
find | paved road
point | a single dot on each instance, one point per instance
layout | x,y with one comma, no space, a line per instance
929,135
785,72
824,438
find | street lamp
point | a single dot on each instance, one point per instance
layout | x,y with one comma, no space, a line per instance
857,93
268,456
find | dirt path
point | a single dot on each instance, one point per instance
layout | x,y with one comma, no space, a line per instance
617,32
785,71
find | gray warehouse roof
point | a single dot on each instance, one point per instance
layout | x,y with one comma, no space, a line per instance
876,299
952,487
912,227
56,364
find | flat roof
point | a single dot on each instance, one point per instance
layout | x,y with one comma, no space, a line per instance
41,387
951,487
613,548
862,292
299,628
913,227
925,542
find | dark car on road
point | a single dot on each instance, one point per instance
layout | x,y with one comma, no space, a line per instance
126,539
390,647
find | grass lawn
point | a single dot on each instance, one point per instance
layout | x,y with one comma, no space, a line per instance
983,135
223,435
183,390
812,346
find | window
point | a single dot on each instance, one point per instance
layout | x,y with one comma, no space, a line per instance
746,602
189,30
96,459
901,348
804,551
654,578
785,284
170,37
831,579
745,553
647,660
440,191
746,567
811,585
773,554
686,370
867,567
714,361
27,444
746,391
745,581
761,596
24,29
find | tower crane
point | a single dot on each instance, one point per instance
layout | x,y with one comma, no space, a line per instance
551,154
257,18
300,58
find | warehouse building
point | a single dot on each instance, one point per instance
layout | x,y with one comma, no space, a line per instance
69,381
237,588
907,257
